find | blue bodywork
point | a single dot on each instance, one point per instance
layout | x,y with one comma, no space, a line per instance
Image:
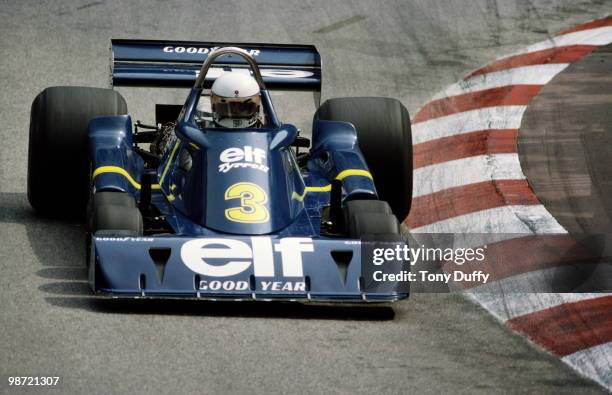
246,219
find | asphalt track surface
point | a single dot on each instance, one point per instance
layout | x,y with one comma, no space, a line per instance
429,344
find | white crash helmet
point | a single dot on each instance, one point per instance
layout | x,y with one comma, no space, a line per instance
235,100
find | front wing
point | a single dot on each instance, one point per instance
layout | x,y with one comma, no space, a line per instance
235,268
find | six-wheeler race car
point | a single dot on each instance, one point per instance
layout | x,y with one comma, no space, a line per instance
216,200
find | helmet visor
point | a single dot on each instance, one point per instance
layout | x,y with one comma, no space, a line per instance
243,109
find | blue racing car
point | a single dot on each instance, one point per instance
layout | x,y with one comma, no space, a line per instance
218,198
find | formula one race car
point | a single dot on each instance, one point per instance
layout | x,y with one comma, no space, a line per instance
194,207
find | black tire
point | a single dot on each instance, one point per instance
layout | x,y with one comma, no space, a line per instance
105,219
117,198
58,167
367,206
385,139
364,218
373,224
116,219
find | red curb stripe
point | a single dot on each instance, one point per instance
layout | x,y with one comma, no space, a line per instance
570,327
526,254
512,95
567,54
607,21
493,141
467,199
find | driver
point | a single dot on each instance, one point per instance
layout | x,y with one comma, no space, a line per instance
236,101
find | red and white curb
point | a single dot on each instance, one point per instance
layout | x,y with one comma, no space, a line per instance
468,179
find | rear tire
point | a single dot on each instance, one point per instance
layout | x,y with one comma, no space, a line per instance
58,167
385,139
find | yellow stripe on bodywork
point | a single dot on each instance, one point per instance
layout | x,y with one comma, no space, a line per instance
300,198
170,159
326,188
120,171
353,172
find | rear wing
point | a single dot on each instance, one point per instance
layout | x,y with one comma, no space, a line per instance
177,64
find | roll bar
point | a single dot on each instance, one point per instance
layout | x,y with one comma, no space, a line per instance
199,84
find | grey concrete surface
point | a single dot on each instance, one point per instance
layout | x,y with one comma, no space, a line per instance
429,344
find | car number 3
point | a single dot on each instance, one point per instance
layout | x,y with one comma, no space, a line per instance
252,199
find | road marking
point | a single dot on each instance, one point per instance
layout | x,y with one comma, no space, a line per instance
607,21
481,142
471,170
599,36
505,117
569,327
520,219
539,74
567,54
519,304
471,198
593,362
514,95
468,180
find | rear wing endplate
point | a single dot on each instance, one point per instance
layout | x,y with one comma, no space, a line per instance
177,64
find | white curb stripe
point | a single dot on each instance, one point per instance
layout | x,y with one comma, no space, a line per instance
539,74
501,117
594,362
465,171
518,304
520,219
597,37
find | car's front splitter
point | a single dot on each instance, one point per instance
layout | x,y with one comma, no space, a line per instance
262,268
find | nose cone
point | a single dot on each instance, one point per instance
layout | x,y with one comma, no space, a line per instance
242,185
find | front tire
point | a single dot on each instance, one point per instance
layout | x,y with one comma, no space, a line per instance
385,139
114,212
58,167
369,218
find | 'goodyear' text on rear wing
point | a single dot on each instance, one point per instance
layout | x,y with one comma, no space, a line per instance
177,64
